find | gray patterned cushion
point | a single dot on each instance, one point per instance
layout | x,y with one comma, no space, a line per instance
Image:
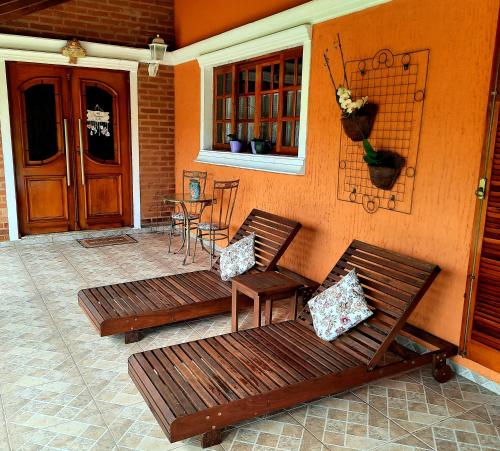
237,258
180,216
339,308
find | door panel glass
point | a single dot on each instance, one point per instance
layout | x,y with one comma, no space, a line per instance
242,78
265,105
219,109
276,99
288,104
289,72
242,107
41,121
229,107
229,83
100,127
251,81
266,78
220,84
297,129
251,107
286,139
276,76
219,133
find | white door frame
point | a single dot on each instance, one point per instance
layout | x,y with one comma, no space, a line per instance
5,129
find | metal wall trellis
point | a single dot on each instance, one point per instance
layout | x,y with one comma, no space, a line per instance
396,83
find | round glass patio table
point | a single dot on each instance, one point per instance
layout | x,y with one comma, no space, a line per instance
184,200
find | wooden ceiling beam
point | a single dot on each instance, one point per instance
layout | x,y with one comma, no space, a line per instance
14,9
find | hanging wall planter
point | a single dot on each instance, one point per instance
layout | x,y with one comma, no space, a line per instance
357,115
358,126
384,166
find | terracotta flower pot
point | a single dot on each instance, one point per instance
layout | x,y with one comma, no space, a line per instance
385,175
359,125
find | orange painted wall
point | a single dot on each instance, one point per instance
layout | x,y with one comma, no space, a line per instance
440,226
199,19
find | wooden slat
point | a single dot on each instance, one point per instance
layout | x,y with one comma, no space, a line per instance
273,235
393,284
123,306
258,366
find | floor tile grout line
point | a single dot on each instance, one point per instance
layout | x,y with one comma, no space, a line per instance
288,411
427,425
4,415
336,394
64,341
449,399
399,438
52,319
42,297
101,412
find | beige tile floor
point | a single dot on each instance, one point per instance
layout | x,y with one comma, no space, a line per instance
63,387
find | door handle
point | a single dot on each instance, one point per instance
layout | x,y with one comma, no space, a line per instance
68,173
82,169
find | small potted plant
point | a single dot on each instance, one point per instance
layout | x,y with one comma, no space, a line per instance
384,166
261,146
234,143
357,115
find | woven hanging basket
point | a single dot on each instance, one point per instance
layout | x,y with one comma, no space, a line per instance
359,126
385,175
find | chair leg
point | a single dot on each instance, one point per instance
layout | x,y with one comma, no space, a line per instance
196,243
132,336
211,438
212,248
172,226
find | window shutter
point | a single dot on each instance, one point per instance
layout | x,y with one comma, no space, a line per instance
486,323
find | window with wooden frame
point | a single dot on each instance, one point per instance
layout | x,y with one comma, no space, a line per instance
259,98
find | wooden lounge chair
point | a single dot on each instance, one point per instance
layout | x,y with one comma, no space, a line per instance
202,386
131,306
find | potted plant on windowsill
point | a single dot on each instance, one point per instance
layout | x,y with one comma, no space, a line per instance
261,146
384,166
234,143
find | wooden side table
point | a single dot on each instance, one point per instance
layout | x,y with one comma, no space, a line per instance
265,286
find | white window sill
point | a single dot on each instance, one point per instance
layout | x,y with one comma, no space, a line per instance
268,163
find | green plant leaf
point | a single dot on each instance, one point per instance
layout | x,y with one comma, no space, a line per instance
371,156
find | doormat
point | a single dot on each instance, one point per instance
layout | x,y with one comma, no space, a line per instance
107,241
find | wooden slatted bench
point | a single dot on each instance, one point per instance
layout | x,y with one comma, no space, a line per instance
132,306
202,386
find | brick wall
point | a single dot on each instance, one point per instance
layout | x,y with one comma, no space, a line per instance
156,135
131,23
128,22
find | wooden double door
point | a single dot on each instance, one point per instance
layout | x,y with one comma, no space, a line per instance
71,142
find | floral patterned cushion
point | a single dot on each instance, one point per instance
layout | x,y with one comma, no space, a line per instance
237,258
339,308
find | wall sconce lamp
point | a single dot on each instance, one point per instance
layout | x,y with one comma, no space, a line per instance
158,49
